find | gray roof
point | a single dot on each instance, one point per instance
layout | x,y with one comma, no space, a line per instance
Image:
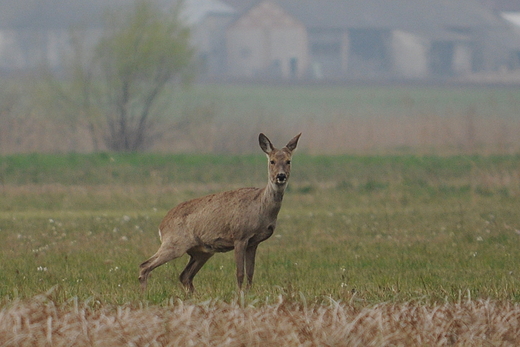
405,14
197,10
503,5
391,14
434,19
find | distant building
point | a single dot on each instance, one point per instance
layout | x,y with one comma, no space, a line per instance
33,32
209,20
267,42
368,39
296,39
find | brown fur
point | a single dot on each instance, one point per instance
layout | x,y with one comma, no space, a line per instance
238,219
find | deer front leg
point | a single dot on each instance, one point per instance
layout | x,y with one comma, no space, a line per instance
250,264
240,257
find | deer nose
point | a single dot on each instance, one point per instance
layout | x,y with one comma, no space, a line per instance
281,177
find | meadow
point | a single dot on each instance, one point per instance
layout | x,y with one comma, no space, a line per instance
369,250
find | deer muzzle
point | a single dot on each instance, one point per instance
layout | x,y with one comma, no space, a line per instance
281,178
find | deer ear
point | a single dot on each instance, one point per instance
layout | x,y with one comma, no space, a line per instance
265,144
292,144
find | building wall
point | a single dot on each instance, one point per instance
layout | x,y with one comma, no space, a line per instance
345,42
266,42
328,53
209,39
370,54
409,55
462,59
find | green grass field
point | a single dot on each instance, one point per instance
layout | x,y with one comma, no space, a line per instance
354,229
411,242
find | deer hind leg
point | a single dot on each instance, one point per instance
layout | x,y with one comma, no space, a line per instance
197,261
162,256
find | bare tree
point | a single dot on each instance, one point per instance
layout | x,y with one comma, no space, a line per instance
116,78
140,50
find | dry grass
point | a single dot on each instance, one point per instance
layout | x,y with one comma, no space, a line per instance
41,322
418,134
424,135
218,119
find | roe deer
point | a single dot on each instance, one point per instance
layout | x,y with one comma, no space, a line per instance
238,219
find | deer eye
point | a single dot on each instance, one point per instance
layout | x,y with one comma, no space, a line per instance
288,162
272,162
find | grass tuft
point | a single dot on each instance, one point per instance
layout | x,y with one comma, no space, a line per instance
43,322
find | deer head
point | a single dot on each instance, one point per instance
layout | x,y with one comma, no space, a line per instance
279,166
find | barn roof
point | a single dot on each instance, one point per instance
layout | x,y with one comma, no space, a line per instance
384,14
197,10
434,19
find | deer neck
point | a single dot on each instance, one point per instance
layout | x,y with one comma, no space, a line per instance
272,198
